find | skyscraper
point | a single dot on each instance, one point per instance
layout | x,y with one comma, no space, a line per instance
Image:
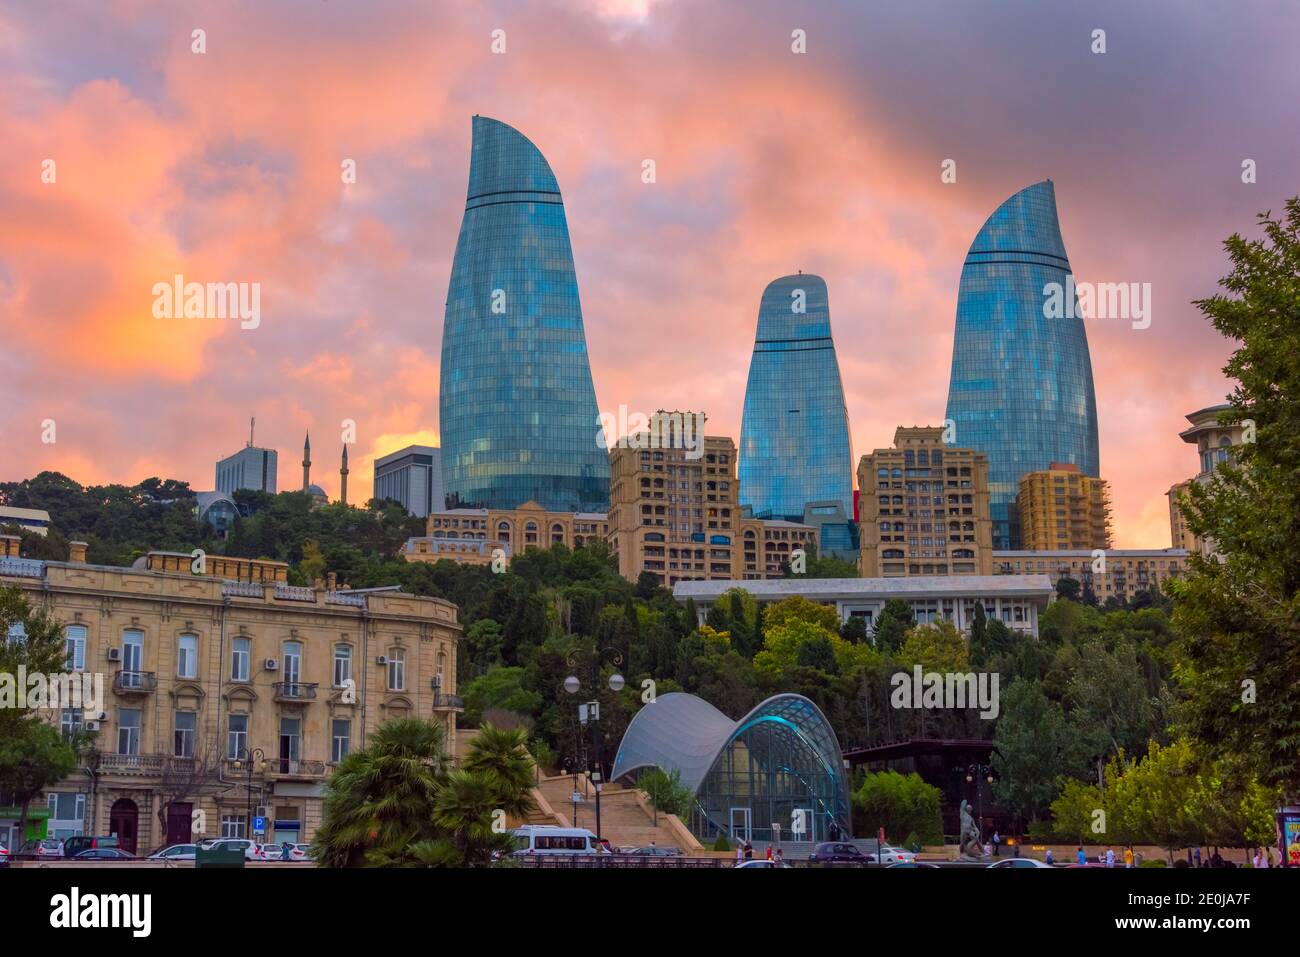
412,476
1021,386
518,413
794,431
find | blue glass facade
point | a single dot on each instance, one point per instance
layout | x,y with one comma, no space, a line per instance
1021,387
517,408
794,431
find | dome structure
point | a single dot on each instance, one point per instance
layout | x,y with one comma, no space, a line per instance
777,772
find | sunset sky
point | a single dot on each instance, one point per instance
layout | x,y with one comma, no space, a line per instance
225,166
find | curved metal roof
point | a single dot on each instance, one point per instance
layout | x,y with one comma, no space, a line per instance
687,733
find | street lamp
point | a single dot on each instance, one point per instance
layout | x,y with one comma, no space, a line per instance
985,771
589,712
256,756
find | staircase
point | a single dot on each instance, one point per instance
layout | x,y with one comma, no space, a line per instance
623,820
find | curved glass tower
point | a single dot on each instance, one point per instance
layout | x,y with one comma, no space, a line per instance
794,431
1021,388
517,407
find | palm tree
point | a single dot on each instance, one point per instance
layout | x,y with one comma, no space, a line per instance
379,801
501,757
466,811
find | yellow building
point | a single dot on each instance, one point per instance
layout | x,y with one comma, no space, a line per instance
675,512
1061,508
222,696
923,508
474,535
1109,573
1214,444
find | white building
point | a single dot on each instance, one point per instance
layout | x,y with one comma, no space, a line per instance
412,476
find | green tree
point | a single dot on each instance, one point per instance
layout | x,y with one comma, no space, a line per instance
665,791
891,628
501,757
1034,748
1238,616
901,804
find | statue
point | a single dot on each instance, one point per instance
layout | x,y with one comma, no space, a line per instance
972,848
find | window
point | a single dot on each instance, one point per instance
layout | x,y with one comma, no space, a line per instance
292,662
241,650
187,656
70,722
67,814
442,665
342,739
128,730
183,745
342,665
290,743
132,658
232,825
396,669
237,736
76,647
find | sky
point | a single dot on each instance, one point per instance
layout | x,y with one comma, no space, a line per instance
227,166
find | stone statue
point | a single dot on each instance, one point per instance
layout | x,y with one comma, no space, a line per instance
972,848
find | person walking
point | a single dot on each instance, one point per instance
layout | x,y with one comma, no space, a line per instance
1110,857
997,841
1128,856
1047,858
740,853
1196,857
749,851
780,858
1083,858
769,852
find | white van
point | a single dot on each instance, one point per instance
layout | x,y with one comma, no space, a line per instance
551,839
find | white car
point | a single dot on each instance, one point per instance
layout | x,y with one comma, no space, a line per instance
759,862
893,855
252,850
176,852
1018,862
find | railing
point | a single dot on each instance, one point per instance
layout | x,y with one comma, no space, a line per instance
135,682
242,589
294,691
343,598
22,568
295,768
449,702
132,763
295,593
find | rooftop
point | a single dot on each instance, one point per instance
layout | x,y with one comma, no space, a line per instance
832,588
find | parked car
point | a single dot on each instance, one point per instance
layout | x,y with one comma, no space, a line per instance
653,851
104,854
893,855
252,850
912,863
176,852
301,852
761,863
4,856
549,839
75,845
43,847
1021,862
837,852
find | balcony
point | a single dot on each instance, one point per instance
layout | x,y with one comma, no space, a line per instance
448,702
343,598
132,763
135,682
21,568
294,768
294,593
241,589
294,691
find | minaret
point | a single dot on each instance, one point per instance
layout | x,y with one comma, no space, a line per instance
306,463
343,477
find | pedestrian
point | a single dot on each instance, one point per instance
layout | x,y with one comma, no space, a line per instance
1196,857
1083,858
780,859
988,849
1110,857
740,853
769,852
286,849
1128,856
997,841
749,851
1047,858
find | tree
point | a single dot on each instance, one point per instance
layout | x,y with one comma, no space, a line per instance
501,757
665,791
1238,614
1034,747
31,760
901,804
1078,813
1067,587
891,628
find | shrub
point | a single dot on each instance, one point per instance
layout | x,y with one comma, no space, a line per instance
722,844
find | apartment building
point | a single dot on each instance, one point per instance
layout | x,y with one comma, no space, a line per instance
226,699
1214,443
923,508
1117,572
1061,508
474,535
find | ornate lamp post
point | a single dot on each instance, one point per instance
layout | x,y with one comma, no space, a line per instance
589,712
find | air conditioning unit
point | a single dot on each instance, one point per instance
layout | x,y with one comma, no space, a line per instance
381,660
271,664
114,654
90,726
102,716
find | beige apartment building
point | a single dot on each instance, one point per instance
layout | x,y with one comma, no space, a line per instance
228,698
1117,572
1214,444
474,535
923,508
675,512
1061,508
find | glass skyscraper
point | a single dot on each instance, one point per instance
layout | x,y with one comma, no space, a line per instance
1021,388
794,431
517,407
